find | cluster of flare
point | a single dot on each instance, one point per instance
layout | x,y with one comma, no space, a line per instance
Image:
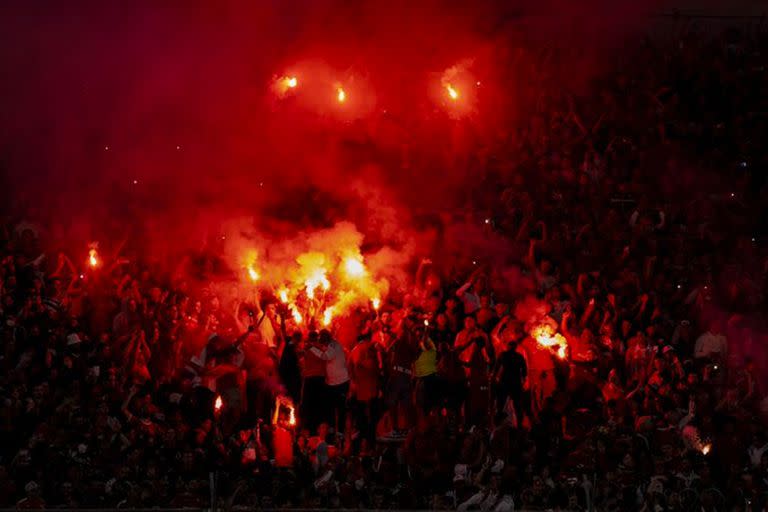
546,337
320,286
284,85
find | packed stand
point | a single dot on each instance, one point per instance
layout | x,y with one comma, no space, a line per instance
130,387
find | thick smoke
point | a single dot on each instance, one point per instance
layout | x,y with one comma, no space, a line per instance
160,125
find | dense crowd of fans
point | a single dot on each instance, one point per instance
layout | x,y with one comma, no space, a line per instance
639,239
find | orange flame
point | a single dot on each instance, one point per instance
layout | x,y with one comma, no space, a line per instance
327,316
318,278
252,274
546,337
218,404
296,315
452,93
376,302
283,294
354,267
341,96
706,448
93,258
291,81
292,416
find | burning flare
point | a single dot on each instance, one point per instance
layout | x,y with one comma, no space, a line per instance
218,404
283,294
292,416
546,337
706,448
376,302
354,267
291,82
252,274
341,96
93,259
296,315
452,93
327,316
317,279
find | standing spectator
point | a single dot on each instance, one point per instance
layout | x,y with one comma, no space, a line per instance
336,377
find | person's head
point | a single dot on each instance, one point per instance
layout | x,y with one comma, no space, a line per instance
470,322
485,301
313,337
325,337
132,305
296,337
441,320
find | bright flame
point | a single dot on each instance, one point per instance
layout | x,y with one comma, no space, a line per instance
426,323
252,274
93,259
354,267
292,417
283,294
376,302
453,93
546,337
341,96
706,448
218,404
291,81
327,316
318,278
296,315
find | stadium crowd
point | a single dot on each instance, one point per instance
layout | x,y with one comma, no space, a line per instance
639,238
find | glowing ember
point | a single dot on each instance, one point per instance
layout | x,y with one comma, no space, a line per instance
453,93
706,448
546,337
354,267
327,316
376,302
341,96
218,404
93,259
